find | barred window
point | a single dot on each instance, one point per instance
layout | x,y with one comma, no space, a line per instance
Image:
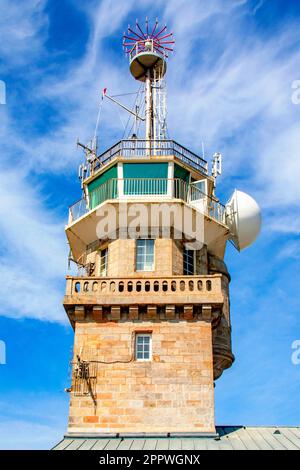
103,262
188,262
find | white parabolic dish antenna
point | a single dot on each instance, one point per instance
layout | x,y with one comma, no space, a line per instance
243,218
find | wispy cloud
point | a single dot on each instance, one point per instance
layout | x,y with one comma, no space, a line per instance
23,29
259,4
33,252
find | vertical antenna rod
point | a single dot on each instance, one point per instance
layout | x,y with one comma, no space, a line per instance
149,105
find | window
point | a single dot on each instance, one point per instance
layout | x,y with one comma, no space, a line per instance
143,346
103,262
188,262
144,255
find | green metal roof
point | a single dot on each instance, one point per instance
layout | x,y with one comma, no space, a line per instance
229,438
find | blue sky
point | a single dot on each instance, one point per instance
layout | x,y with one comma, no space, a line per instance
229,85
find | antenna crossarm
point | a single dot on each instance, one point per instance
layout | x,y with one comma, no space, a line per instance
124,107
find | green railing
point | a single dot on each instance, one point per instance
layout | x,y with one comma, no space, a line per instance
154,186
127,187
145,186
107,190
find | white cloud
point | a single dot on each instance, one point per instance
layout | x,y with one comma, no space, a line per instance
23,30
258,5
33,252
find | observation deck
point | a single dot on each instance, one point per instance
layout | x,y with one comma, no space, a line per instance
148,150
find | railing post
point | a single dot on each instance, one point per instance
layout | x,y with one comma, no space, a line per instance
170,189
69,286
120,181
70,220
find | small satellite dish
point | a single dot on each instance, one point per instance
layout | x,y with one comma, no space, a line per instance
243,217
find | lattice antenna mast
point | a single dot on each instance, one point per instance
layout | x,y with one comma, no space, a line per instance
159,107
148,49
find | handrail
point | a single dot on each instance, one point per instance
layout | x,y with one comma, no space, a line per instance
117,188
140,46
130,148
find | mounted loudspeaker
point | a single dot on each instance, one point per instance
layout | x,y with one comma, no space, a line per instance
243,217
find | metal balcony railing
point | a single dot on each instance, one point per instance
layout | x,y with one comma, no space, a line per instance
146,45
209,205
132,148
130,187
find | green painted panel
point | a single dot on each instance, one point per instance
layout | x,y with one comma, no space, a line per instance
181,173
145,178
107,175
104,187
145,170
182,178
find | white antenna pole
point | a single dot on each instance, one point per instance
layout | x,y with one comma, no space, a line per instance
95,138
148,110
216,167
159,106
164,107
154,106
135,121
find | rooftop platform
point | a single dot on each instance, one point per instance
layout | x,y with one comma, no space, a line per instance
140,148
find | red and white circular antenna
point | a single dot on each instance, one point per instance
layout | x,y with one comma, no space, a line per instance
140,39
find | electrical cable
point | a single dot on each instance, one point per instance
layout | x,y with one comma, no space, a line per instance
126,133
111,362
125,94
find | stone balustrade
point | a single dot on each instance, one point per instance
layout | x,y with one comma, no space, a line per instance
145,290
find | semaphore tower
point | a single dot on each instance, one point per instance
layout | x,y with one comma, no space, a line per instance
150,303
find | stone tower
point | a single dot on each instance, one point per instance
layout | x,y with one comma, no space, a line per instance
150,303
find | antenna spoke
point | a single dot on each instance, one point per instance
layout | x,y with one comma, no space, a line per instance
159,45
165,54
129,37
136,34
154,28
161,31
141,31
167,42
165,36
130,51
